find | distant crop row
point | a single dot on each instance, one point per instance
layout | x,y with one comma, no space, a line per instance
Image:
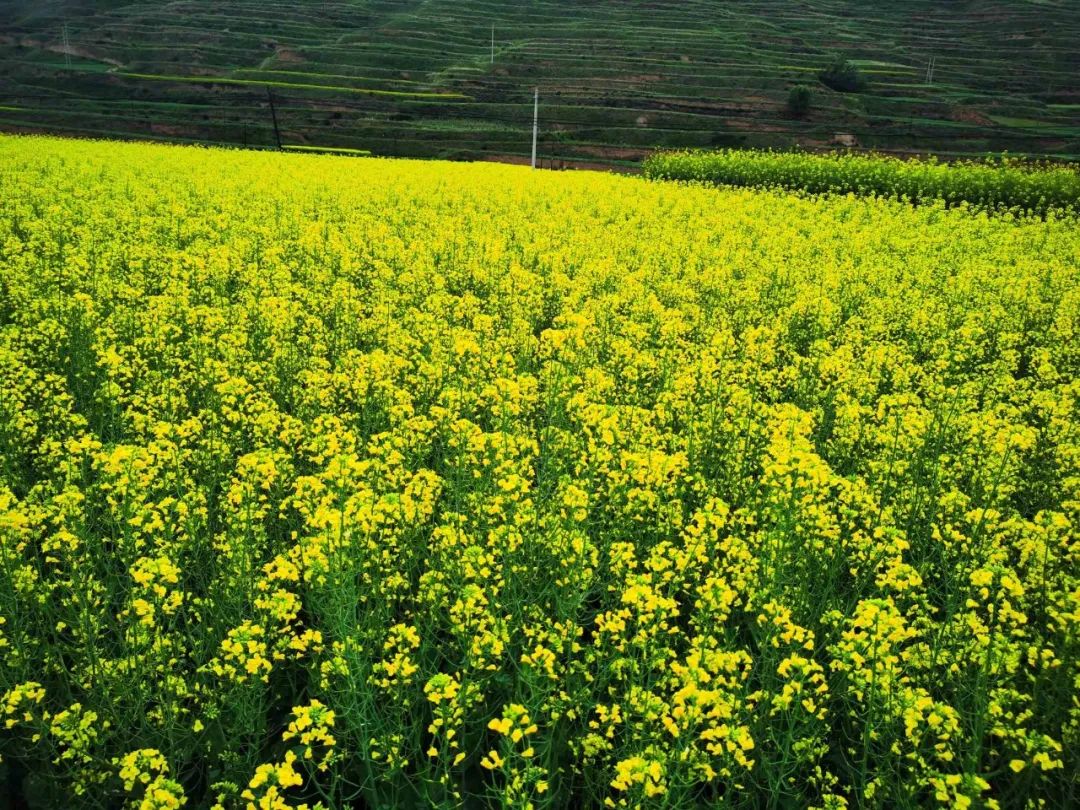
1005,184
364,91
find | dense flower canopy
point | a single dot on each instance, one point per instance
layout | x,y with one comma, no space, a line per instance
399,484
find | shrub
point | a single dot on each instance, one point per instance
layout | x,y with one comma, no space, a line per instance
841,75
799,98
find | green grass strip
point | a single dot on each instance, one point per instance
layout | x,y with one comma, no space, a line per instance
336,150
294,86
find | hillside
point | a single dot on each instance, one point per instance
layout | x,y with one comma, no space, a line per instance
617,79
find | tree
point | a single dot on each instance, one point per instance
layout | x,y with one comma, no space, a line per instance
841,75
799,99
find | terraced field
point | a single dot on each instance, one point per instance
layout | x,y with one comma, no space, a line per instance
617,79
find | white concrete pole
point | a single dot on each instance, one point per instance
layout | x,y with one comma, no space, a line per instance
536,122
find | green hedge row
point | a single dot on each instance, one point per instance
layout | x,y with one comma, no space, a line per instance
1003,183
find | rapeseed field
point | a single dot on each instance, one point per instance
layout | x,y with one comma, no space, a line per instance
361,483
1001,184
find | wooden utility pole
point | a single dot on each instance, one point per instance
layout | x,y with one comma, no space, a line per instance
273,115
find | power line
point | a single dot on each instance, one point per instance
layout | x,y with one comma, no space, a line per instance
570,127
576,132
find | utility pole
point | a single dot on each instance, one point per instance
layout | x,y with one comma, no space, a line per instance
493,43
273,114
930,69
536,122
67,48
